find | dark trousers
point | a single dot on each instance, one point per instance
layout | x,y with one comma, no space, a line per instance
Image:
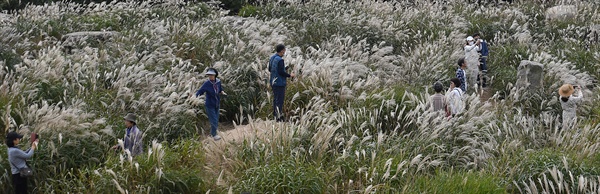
483,68
213,119
19,184
278,97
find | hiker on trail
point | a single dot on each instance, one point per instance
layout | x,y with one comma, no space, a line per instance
483,55
213,91
461,74
568,103
454,96
278,81
17,160
438,100
472,58
132,140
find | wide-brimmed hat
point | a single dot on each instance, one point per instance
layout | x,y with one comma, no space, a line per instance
566,90
13,135
130,117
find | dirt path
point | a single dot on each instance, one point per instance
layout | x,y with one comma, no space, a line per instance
219,154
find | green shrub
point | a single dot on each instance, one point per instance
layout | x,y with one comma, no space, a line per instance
249,11
286,177
456,182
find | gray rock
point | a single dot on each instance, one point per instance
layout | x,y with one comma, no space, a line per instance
530,74
561,12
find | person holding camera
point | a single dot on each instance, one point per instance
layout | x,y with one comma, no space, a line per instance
17,159
472,59
569,102
213,90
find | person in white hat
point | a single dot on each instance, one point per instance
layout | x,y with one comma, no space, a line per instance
133,138
213,90
472,58
568,102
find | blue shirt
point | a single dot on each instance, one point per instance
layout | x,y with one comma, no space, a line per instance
484,49
212,90
17,158
277,69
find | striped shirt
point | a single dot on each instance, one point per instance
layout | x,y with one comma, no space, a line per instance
462,76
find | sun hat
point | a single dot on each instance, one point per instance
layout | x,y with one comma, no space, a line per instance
130,117
210,72
566,90
13,135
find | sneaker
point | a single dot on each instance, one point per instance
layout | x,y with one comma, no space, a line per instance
217,137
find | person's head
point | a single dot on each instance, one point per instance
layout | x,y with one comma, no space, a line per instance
212,74
13,139
454,82
565,91
280,49
130,120
470,40
476,36
461,63
437,86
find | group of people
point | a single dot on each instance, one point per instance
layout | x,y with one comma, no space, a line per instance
476,54
474,62
452,103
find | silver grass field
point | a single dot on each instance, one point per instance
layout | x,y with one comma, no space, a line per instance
358,117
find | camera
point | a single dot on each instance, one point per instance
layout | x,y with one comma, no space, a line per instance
34,136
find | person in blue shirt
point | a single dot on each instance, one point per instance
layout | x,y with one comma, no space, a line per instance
483,55
278,81
17,159
461,74
213,91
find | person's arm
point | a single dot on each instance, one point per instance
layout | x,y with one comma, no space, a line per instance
138,147
17,153
221,89
281,69
578,97
201,91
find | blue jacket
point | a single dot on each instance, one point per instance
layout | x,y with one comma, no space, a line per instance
484,49
213,97
277,69
17,157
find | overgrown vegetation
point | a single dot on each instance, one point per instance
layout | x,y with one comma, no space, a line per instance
358,109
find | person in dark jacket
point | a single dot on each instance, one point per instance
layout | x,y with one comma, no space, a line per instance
483,55
213,90
278,81
17,159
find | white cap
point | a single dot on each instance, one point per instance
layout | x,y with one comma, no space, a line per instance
470,38
210,72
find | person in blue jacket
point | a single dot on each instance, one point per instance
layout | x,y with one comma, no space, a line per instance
213,91
483,55
17,159
278,81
